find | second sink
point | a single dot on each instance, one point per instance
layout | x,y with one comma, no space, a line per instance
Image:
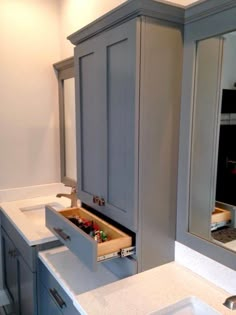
187,306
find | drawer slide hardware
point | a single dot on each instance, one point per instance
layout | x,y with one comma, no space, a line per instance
124,252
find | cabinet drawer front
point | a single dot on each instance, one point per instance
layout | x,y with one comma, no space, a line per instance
46,304
55,291
75,239
80,243
27,252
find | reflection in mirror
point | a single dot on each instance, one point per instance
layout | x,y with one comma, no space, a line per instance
69,125
66,86
212,207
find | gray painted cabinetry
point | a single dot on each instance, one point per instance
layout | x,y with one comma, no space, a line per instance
52,298
19,274
106,80
128,81
20,268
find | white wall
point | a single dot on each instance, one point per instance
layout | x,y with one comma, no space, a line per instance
29,34
33,36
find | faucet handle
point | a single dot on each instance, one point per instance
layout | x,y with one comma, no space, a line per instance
230,302
73,189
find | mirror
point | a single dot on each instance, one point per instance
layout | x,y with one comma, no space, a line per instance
212,195
69,128
66,88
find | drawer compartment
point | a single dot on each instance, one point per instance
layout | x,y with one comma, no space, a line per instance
79,242
220,215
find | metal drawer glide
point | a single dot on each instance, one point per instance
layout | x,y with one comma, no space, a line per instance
124,252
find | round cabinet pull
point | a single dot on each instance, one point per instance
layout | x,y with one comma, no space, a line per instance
101,202
96,200
13,253
10,253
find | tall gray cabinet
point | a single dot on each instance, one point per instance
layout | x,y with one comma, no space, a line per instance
128,83
108,107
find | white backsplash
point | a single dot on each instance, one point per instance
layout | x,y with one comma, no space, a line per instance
207,268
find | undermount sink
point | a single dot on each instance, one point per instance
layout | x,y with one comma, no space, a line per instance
36,213
187,306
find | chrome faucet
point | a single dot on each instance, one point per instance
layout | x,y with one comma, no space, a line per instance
72,196
230,302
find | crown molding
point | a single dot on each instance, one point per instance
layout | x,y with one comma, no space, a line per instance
204,9
161,10
127,11
64,64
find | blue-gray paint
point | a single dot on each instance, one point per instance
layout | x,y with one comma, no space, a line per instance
78,241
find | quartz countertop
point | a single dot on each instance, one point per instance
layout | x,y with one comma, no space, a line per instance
31,232
72,274
137,295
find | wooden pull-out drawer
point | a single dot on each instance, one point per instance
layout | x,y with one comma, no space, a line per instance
79,242
220,215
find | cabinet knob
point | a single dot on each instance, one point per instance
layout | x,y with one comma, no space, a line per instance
13,253
95,199
101,202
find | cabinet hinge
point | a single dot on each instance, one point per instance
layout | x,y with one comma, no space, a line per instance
124,252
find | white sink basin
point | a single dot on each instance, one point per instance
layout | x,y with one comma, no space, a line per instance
188,306
36,213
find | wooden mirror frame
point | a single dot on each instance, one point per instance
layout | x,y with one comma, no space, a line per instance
64,70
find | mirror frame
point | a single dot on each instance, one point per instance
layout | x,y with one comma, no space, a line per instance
214,24
64,70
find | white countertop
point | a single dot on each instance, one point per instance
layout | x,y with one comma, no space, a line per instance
137,295
31,232
101,292
72,274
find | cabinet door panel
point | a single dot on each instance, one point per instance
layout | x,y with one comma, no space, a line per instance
107,97
10,270
26,283
121,129
90,97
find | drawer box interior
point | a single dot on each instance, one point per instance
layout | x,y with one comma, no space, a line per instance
116,238
220,215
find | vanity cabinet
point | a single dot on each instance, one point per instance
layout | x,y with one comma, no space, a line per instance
53,299
46,303
128,83
19,268
10,270
18,278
